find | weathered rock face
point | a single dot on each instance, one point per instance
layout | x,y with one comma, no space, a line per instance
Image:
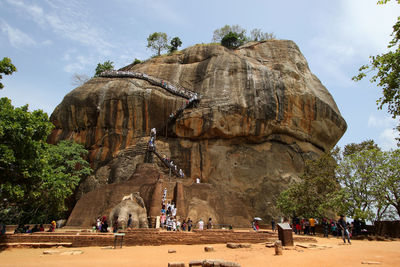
262,113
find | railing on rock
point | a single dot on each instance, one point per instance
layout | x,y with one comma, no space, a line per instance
179,91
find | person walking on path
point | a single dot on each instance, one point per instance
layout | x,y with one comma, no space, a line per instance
325,227
343,227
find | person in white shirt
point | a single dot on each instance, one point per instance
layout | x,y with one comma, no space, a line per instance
200,224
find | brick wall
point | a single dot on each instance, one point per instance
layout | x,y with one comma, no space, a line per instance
148,237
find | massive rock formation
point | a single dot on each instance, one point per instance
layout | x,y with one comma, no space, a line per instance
261,115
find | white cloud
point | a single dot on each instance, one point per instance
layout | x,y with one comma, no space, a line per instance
361,28
67,20
16,37
375,122
47,42
78,64
387,139
387,133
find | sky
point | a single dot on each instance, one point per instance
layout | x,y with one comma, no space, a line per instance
51,40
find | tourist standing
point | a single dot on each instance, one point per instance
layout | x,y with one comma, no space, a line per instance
184,225
129,223
98,224
200,225
273,225
115,224
189,224
306,227
312,225
209,224
343,227
325,227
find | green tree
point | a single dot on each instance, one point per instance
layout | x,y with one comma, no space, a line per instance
175,43
317,191
220,33
136,61
157,41
35,177
386,69
65,168
387,188
370,179
7,68
107,65
232,40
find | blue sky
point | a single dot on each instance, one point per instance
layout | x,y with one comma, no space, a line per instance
50,40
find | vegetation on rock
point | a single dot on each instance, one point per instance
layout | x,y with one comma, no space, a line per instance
79,79
107,65
232,40
175,43
231,31
157,41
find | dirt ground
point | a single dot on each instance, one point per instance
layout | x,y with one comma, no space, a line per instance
335,254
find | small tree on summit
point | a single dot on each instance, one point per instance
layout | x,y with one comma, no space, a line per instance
107,65
232,40
175,43
157,42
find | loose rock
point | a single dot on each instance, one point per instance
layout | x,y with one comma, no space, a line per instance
72,252
278,247
51,252
171,251
208,249
233,245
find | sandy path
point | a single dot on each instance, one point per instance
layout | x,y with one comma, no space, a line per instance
388,253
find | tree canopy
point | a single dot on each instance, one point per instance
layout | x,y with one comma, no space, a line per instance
232,40
7,68
230,31
220,33
313,194
107,65
175,43
361,181
35,177
157,41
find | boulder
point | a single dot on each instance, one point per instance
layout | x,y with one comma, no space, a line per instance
278,247
133,205
208,249
262,114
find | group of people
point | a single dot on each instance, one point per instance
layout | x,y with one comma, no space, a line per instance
170,221
25,229
173,166
102,224
336,228
167,161
305,226
193,99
